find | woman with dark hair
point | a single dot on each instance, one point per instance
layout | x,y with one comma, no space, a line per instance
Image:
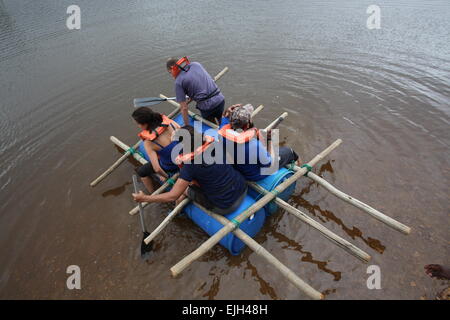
156,133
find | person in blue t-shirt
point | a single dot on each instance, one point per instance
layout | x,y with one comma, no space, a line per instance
216,186
242,144
193,81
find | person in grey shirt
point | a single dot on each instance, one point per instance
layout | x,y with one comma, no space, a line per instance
193,81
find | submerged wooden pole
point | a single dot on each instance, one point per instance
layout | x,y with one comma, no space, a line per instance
123,146
259,250
334,238
361,205
114,166
166,221
130,151
213,240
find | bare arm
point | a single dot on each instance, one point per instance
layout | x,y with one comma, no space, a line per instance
177,190
154,159
184,111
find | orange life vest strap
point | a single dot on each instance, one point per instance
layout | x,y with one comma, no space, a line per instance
182,158
154,134
238,137
179,65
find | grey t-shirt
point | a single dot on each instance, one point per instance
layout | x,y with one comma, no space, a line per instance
197,84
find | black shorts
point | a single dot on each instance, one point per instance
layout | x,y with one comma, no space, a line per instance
286,156
214,113
146,170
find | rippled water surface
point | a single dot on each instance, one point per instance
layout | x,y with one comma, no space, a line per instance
385,93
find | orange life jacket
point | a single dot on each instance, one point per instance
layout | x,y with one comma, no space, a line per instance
147,135
180,65
185,157
238,137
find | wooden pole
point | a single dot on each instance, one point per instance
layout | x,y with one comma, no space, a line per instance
213,240
276,122
355,202
113,167
220,74
123,146
257,110
259,250
334,238
127,153
161,189
166,221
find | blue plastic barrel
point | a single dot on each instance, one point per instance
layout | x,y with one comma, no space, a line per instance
270,183
251,226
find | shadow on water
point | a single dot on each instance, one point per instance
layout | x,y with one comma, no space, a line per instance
327,215
234,261
270,228
5,18
116,191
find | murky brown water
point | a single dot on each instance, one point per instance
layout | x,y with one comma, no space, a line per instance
385,92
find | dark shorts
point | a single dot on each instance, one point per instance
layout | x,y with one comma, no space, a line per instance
196,194
146,170
214,113
287,155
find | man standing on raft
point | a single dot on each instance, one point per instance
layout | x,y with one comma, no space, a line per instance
192,80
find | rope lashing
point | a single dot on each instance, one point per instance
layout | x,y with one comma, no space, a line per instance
291,166
132,151
308,168
170,181
236,223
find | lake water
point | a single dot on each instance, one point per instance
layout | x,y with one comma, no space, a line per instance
385,93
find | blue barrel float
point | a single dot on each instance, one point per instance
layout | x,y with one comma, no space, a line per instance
252,225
